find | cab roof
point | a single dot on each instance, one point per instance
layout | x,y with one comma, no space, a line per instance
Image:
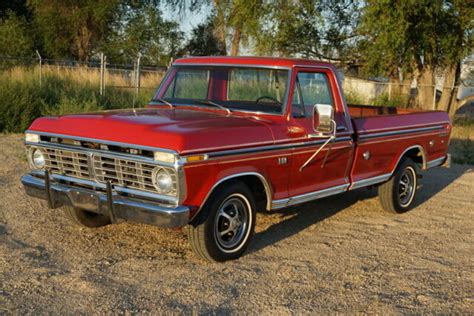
252,61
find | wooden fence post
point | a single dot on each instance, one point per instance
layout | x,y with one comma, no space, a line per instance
40,68
102,74
137,76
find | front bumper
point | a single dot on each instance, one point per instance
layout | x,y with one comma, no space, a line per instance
106,203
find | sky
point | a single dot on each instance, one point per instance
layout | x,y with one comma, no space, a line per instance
187,20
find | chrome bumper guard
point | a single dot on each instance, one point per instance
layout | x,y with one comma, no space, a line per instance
106,203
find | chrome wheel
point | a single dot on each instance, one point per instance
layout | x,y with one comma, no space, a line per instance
407,186
232,222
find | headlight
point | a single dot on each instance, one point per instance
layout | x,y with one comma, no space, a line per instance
162,180
37,159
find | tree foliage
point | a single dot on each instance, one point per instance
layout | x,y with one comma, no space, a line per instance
73,28
203,41
415,38
321,29
14,35
411,34
141,30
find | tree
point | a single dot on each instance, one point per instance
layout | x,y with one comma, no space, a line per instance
18,7
415,38
73,28
16,41
236,21
142,30
203,41
321,29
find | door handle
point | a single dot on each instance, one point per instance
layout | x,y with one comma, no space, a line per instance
341,128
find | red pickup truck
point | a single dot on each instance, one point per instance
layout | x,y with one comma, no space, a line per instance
225,137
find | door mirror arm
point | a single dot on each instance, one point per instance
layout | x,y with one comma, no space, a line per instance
325,127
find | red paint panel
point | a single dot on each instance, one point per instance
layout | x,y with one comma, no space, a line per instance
182,130
316,176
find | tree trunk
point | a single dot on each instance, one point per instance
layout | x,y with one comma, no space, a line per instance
454,104
221,25
236,40
83,39
448,87
425,87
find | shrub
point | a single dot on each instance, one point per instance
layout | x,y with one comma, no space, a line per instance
22,99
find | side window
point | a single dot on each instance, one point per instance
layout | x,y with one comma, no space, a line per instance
314,89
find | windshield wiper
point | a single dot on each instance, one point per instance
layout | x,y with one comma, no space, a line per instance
171,105
209,102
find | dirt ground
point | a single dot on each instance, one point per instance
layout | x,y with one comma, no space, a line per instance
338,254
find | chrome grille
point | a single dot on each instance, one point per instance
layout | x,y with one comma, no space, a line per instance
104,168
126,173
74,164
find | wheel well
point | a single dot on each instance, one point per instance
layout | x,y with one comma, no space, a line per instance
258,189
257,185
416,154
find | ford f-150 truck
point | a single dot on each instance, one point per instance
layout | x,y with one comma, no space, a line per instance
223,138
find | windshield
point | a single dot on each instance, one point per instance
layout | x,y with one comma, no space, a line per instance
235,88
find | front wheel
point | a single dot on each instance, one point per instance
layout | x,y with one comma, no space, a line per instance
397,194
225,225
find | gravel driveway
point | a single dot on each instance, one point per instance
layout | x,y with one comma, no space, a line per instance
338,254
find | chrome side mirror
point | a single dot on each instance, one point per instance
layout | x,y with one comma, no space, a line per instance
323,118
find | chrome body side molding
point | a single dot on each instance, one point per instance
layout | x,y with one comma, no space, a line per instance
370,181
277,204
439,161
258,149
399,132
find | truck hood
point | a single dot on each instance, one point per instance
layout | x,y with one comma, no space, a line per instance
185,131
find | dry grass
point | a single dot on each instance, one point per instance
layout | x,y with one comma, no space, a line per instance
65,90
85,75
462,142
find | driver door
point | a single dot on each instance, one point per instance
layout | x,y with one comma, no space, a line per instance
330,168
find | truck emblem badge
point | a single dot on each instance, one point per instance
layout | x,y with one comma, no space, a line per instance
366,155
282,161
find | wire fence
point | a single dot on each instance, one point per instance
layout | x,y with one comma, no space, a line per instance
133,76
138,77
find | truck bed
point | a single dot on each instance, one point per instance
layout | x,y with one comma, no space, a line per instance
357,110
385,133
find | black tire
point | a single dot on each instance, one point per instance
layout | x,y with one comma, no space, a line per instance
85,218
397,194
231,208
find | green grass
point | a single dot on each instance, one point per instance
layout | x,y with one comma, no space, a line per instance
22,99
381,100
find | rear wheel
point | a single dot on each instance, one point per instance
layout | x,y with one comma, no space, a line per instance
225,225
397,194
85,218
